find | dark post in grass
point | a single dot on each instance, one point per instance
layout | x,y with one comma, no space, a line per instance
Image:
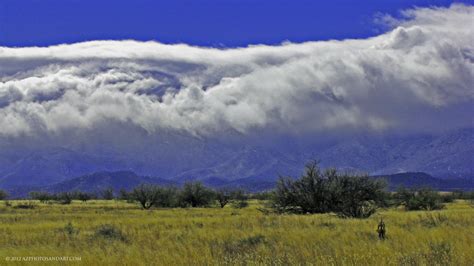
381,229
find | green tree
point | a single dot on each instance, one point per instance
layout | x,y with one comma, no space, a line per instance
419,199
167,197
146,194
348,195
355,195
195,194
223,196
309,194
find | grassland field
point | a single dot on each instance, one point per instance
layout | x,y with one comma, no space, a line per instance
228,236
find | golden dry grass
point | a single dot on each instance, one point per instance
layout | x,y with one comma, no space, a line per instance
214,236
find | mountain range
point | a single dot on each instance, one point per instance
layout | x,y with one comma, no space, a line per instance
127,180
174,160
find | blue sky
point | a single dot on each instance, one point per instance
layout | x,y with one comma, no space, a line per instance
227,23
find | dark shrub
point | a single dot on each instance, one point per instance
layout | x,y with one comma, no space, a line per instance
194,194
3,195
459,194
447,198
27,205
70,230
64,197
110,232
124,195
153,195
309,194
41,196
239,199
240,204
107,194
147,195
421,199
223,196
252,241
236,250
167,197
355,195
83,196
349,195
466,195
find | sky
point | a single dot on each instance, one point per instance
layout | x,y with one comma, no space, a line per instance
184,79
418,72
216,23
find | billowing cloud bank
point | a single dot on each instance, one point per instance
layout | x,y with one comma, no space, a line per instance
416,74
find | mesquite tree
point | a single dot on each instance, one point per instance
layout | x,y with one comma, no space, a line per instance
348,195
146,195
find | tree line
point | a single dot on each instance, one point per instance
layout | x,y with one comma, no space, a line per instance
192,194
316,191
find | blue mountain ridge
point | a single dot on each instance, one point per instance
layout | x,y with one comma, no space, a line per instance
446,156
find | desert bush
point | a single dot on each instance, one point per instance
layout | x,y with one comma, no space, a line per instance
110,232
41,196
107,194
25,205
83,196
195,194
70,230
469,196
167,197
235,251
251,241
64,197
447,198
3,194
354,195
349,195
223,196
124,195
309,194
464,195
419,199
458,194
239,199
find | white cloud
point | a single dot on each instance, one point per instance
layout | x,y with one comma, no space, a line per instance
402,79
